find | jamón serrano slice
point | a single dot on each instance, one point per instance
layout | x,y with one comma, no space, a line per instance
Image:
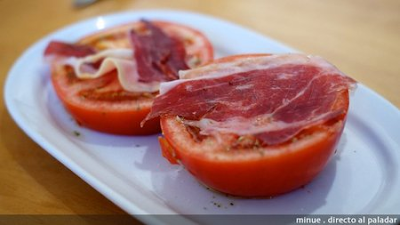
271,97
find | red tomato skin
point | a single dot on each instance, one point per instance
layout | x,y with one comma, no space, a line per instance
265,177
121,123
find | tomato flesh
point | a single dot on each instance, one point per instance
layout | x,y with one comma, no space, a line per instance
167,151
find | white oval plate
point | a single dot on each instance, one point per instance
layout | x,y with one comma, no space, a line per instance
362,178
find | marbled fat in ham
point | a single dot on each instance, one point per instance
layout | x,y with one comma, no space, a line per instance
271,97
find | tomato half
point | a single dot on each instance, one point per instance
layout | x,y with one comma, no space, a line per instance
253,171
101,104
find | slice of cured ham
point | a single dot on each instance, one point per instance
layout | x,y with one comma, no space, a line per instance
158,56
152,57
67,50
270,97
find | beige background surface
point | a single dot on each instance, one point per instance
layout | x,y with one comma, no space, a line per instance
361,37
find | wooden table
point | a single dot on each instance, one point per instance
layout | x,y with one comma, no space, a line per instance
361,37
